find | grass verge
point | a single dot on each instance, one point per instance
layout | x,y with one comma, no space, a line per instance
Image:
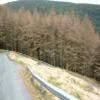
81,87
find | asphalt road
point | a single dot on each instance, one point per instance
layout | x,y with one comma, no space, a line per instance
11,85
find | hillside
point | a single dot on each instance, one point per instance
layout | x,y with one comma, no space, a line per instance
81,87
93,11
62,40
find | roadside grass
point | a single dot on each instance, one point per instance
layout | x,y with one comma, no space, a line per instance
54,81
34,87
81,87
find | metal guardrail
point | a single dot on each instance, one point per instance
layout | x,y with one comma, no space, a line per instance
62,95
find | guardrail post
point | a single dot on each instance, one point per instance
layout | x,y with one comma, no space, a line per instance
42,89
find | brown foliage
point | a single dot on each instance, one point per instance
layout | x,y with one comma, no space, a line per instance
62,40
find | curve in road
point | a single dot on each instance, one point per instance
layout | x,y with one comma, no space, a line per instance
11,85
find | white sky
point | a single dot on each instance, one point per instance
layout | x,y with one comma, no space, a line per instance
5,1
74,1
82,1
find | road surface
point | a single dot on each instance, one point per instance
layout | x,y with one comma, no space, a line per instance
11,85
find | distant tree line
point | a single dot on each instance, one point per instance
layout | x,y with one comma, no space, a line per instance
93,11
62,40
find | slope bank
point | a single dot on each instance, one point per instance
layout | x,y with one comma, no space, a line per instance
80,86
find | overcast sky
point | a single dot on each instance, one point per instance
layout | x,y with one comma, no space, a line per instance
82,1
75,1
5,1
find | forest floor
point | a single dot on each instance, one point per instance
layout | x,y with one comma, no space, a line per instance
83,88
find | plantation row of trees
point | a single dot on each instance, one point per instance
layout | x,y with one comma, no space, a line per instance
62,40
